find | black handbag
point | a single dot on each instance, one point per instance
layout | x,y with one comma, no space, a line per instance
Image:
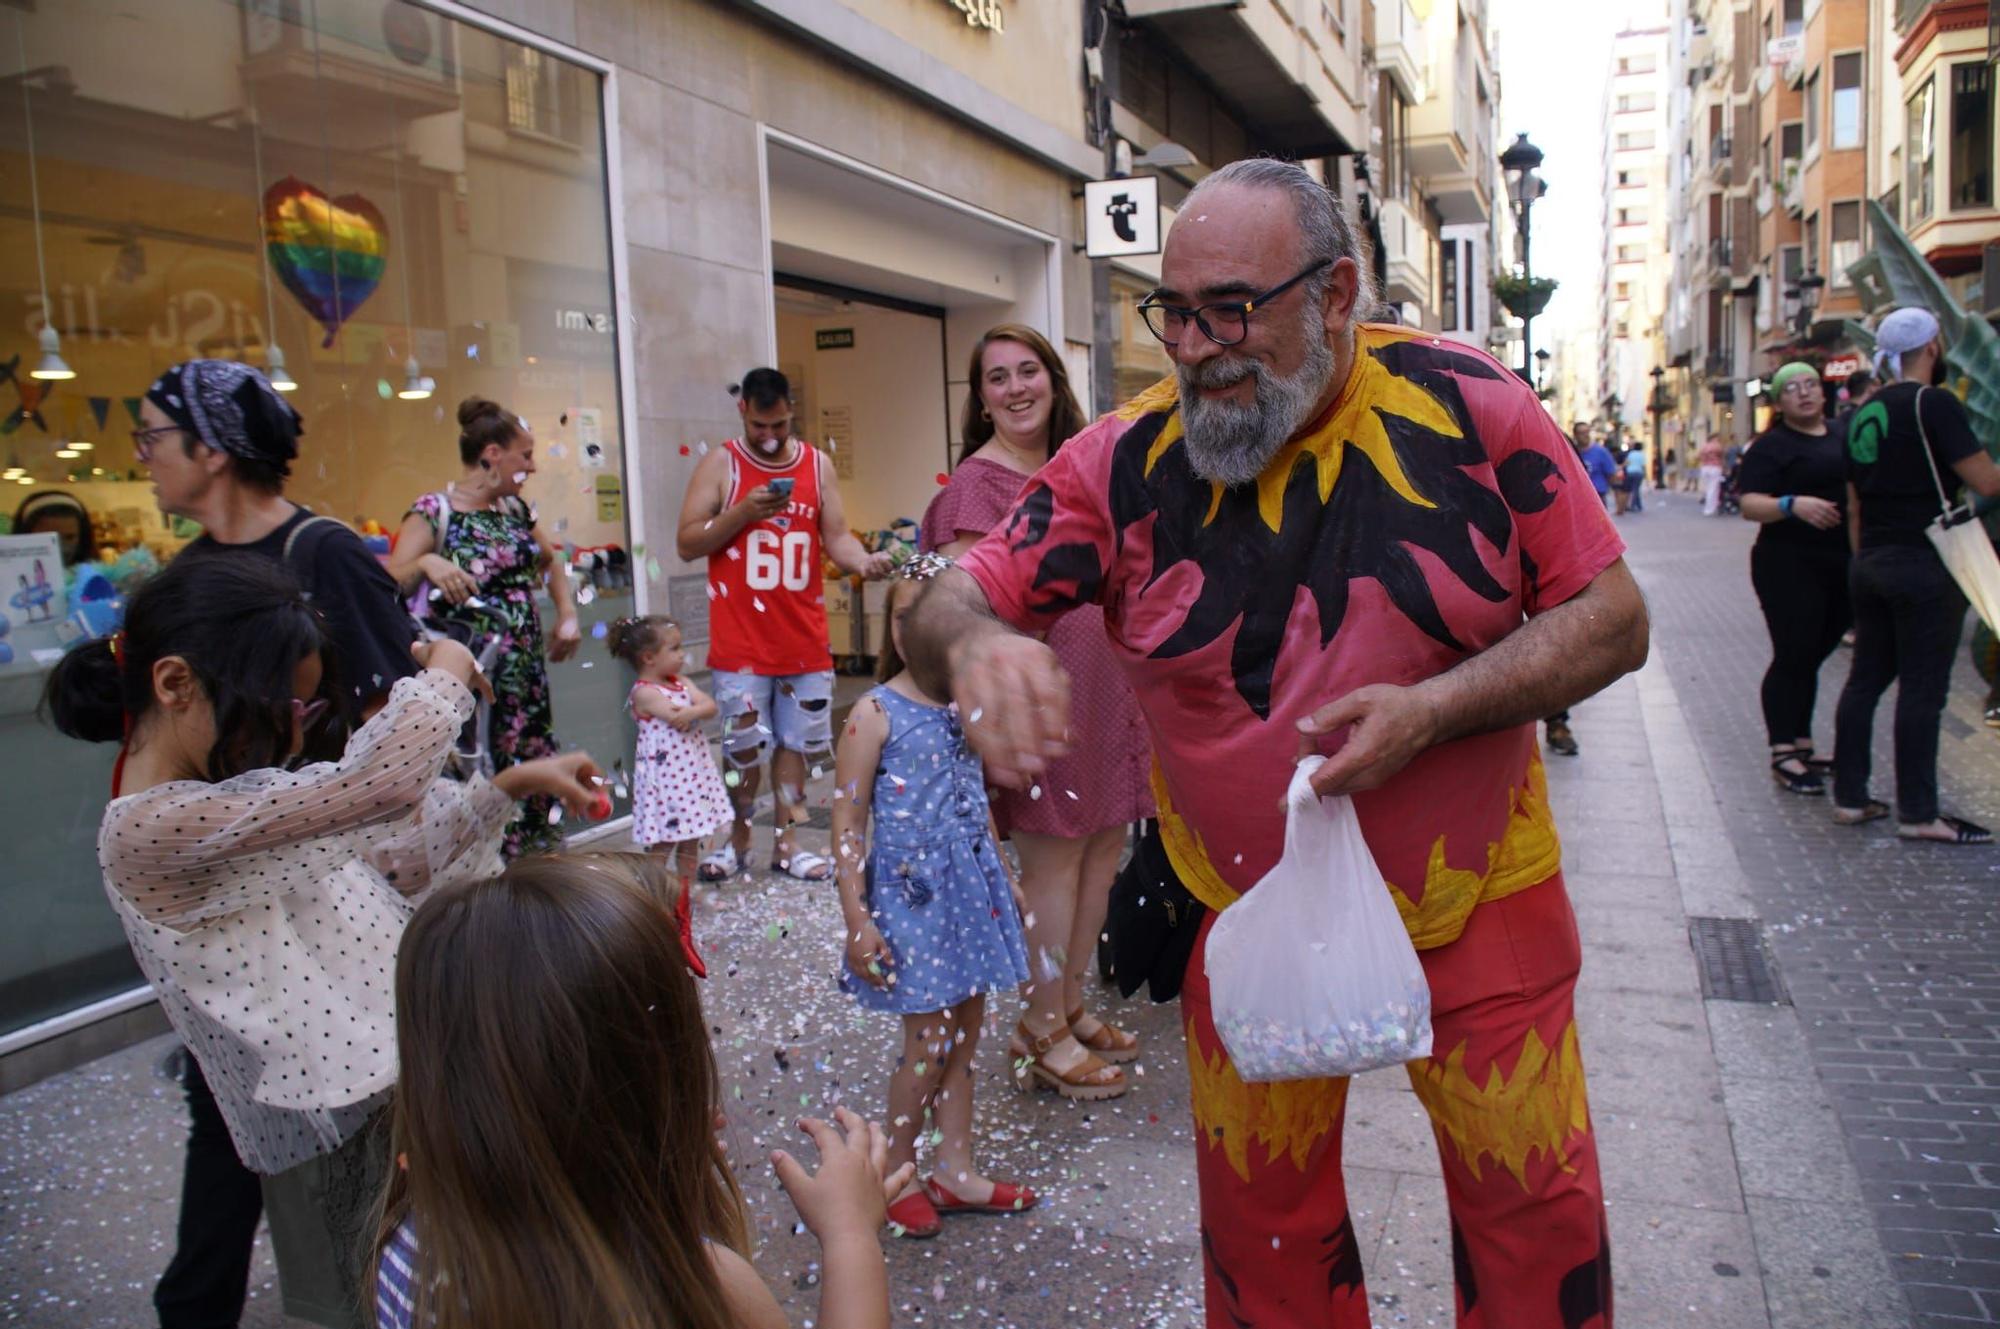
1152,921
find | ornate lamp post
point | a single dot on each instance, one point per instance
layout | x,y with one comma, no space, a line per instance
1802,302
1523,188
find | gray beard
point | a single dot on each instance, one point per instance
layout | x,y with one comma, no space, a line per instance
1231,444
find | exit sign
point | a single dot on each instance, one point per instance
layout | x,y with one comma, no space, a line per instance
833,339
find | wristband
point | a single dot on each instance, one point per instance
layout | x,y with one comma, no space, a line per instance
1785,504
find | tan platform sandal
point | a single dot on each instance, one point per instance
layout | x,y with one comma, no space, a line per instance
1112,1044
1089,1081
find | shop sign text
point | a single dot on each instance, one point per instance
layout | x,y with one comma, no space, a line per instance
981,14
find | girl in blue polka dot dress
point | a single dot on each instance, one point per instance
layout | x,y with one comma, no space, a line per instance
933,917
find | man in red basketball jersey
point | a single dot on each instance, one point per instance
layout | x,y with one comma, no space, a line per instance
761,509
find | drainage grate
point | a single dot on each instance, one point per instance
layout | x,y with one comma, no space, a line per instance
1733,962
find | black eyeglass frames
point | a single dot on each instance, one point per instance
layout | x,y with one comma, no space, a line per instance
1225,322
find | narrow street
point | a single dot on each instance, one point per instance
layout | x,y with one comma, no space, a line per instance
1825,1160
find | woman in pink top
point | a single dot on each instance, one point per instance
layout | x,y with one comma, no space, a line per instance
1070,829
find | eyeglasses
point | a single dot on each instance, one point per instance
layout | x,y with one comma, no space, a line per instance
1225,323
143,440
1798,387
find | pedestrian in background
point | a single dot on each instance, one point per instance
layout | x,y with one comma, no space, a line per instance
1602,466
1708,463
1793,482
1908,610
1635,479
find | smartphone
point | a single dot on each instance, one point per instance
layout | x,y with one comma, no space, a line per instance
782,487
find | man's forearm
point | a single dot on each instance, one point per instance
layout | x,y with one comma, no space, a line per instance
699,539
951,610
847,553
1551,662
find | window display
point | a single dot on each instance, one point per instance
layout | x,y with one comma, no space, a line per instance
384,209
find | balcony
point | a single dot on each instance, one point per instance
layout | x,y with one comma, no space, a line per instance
1405,254
1719,251
1401,51
1716,364
1792,186
1451,146
1253,54
1720,150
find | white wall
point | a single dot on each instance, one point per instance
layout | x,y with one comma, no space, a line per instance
892,383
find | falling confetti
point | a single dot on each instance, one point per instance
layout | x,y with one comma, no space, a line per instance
603,630
943,479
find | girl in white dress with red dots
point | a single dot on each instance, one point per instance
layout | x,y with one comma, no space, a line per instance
677,796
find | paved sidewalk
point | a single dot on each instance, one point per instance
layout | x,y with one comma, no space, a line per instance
1890,950
1732,1199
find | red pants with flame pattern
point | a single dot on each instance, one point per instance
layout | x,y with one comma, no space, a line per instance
1504,1090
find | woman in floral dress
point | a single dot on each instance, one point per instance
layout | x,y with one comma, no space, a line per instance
484,578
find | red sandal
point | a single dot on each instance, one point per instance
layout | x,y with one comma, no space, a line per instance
914,1215
1008,1198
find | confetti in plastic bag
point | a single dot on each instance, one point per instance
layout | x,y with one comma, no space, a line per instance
1312,972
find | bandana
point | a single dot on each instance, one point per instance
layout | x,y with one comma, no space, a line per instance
230,406
1910,328
1787,372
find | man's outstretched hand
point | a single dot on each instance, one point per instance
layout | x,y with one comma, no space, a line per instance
1013,699
1386,727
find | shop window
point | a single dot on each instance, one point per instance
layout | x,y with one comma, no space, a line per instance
1972,135
1920,151
180,209
1847,101
1844,234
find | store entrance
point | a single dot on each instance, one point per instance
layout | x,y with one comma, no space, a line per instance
869,377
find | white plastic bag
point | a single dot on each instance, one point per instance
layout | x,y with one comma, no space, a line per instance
1312,973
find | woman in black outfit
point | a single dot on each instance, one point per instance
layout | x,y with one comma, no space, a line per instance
1793,481
1911,441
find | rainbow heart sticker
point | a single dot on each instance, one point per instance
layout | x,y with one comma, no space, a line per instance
329,253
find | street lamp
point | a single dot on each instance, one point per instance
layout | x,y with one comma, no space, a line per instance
1802,302
1541,370
1659,412
1523,188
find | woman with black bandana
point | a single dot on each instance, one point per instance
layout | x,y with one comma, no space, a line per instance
1793,482
218,442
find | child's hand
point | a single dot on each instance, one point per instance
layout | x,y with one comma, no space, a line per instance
849,1192
450,657
680,718
567,777
869,956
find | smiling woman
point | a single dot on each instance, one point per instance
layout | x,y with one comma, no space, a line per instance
1069,830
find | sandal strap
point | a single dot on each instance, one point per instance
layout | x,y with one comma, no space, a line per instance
1090,1071
1107,1034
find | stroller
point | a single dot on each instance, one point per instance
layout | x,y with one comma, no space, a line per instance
475,627
1732,492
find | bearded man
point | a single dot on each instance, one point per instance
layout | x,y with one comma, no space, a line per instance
1329,535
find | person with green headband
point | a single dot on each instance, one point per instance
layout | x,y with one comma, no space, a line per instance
1793,483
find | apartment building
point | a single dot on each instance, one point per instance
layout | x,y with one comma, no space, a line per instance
1636,262
1428,190
1931,157
1771,169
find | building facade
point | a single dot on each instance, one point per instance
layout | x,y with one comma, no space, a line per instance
1636,261
1931,164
